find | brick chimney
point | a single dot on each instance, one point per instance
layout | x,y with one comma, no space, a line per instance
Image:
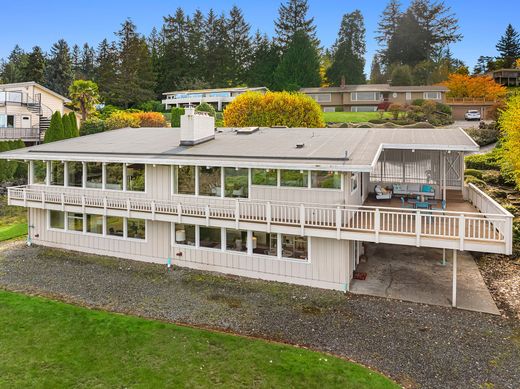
343,82
196,127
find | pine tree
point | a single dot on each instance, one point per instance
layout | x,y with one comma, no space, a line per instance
35,67
509,47
76,62
107,63
348,54
155,44
88,56
484,65
59,69
292,17
299,66
376,72
401,76
264,62
196,47
217,51
388,22
12,70
239,46
409,43
55,131
67,127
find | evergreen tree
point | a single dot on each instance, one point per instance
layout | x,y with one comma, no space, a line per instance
484,65
76,62
87,67
409,43
74,124
55,131
509,47
239,46
264,62
376,73
292,17
217,51
35,68
107,63
401,76
155,44
299,66
348,54
12,70
389,20
59,69
67,127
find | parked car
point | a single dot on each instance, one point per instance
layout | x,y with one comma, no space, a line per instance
472,114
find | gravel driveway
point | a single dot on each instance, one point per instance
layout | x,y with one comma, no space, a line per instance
418,345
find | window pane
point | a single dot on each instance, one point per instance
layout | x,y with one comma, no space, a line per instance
136,228
294,247
56,173
353,182
236,240
264,177
294,178
39,172
75,173
210,237
209,181
57,219
115,226
94,224
235,182
94,175
264,243
185,180
75,221
135,177
185,234
114,173
327,180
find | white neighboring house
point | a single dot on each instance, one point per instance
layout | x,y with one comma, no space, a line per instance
281,204
26,109
216,97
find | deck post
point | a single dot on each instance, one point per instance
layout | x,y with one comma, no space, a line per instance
237,214
302,220
268,216
462,232
338,223
443,257
377,223
454,285
418,228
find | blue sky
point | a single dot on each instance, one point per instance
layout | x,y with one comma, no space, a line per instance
30,23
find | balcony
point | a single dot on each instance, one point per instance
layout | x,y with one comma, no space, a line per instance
489,230
25,134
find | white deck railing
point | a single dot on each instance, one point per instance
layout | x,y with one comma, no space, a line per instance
494,226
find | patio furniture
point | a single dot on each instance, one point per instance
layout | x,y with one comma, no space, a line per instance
409,190
404,204
443,206
422,205
382,193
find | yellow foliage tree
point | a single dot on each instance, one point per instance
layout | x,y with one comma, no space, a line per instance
510,125
517,63
273,109
463,85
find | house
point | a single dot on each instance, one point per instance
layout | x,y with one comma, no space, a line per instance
291,205
506,77
26,109
216,97
366,98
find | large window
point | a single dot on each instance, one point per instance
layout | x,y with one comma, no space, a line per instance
6,121
136,228
57,173
185,234
75,174
236,240
210,181
185,180
363,108
115,226
365,96
135,177
325,180
210,237
236,182
94,175
294,247
295,178
432,95
57,219
114,176
264,177
39,172
94,224
75,221
265,243
322,97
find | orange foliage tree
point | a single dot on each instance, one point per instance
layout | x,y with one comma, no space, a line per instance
463,85
150,119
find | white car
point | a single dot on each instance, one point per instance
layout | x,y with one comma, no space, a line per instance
472,114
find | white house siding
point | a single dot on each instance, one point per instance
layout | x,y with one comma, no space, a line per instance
300,195
158,182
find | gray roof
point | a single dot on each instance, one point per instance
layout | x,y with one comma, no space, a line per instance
267,147
235,89
377,88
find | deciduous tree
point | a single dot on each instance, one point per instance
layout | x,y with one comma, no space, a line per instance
461,85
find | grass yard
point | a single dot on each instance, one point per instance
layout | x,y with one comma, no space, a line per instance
46,343
352,117
13,220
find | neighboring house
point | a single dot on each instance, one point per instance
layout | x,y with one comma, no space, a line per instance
366,98
291,205
26,109
506,77
217,97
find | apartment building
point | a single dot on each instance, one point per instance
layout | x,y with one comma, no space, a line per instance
366,98
281,204
26,109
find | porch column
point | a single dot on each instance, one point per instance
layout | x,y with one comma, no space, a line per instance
454,285
444,154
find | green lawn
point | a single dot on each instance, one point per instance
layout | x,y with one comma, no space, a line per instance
51,344
13,220
13,231
351,117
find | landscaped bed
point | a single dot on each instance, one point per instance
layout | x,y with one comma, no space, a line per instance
51,344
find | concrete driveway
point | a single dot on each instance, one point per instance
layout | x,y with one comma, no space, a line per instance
417,275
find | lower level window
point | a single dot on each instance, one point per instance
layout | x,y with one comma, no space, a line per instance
57,219
236,240
94,224
185,234
75,221
210,237
136,228
115,226
265,243
294,247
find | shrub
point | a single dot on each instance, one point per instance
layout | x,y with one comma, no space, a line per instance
484,136
219,119
418,102
176,116
12,170
55,131
74,124
67,126
395,109
489,161
475,181
151,106
473,172
444,108
491,177
273,108
150,119
92,126
121,119
107,110
205,107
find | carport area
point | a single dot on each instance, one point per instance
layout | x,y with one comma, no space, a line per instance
417,274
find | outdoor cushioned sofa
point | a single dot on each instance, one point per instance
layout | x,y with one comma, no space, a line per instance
414,190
